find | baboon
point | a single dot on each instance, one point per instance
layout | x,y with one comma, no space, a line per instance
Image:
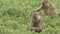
48,7
37,23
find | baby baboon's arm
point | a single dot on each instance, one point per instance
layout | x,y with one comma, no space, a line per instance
38,9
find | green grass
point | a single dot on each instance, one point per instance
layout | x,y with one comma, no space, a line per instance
15,17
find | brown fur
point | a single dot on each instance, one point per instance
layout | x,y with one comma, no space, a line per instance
37,23
48,7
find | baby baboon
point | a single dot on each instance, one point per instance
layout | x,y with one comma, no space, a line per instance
48,7
37,23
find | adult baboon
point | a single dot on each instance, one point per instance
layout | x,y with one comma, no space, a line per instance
48,7
37,23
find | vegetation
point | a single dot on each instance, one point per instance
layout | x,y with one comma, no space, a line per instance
15,16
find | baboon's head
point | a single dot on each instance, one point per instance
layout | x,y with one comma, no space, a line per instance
46,3
35,14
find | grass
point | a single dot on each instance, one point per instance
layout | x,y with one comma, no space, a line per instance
15,17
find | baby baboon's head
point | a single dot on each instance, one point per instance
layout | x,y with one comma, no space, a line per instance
35,14
46,3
